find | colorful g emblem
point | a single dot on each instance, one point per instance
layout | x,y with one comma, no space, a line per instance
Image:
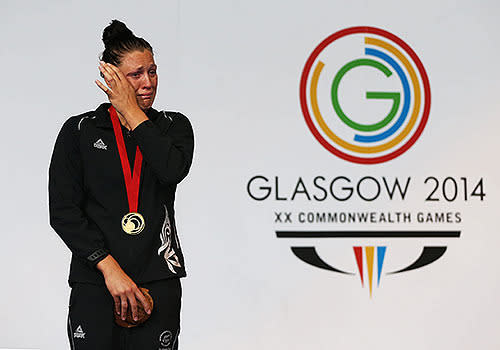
359,138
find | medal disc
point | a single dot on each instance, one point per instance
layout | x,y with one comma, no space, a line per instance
133,223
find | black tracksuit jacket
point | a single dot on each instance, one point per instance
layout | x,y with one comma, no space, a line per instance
88,198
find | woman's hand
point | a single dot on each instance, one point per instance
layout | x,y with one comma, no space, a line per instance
121,287
120,93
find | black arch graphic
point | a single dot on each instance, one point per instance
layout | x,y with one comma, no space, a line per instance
428,256
311,257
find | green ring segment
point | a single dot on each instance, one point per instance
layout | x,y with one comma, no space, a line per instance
394,96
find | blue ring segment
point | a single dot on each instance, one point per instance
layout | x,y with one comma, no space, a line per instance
406,103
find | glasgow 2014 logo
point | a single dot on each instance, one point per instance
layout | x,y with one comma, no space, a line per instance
384,124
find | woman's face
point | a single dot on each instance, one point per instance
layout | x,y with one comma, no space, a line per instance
140,70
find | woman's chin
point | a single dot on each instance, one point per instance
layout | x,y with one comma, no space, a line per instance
145,105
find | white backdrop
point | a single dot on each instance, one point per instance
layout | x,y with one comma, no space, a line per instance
233,67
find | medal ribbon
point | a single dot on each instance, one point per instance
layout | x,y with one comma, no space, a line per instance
131,181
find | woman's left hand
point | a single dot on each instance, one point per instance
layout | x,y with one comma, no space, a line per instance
120,93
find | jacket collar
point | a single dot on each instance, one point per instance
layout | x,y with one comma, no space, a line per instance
103,119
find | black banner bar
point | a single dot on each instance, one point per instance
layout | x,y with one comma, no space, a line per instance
368,234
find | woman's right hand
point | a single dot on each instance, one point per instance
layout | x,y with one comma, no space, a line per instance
121,287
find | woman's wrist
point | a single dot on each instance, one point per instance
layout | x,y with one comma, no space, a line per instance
107,265
134,117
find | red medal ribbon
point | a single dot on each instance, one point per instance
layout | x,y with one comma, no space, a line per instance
131,182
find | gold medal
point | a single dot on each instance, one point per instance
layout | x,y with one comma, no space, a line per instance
133,223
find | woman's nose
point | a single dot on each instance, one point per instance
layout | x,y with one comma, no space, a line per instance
147,82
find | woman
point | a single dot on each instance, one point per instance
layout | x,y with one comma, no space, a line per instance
112,182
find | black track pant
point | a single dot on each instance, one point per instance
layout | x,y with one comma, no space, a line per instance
91,322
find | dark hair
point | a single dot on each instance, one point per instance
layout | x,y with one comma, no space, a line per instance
118,40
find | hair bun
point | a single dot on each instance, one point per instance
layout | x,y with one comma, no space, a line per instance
115,30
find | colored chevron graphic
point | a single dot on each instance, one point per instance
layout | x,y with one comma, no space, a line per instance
370,259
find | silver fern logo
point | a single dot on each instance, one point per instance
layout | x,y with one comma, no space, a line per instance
166,244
